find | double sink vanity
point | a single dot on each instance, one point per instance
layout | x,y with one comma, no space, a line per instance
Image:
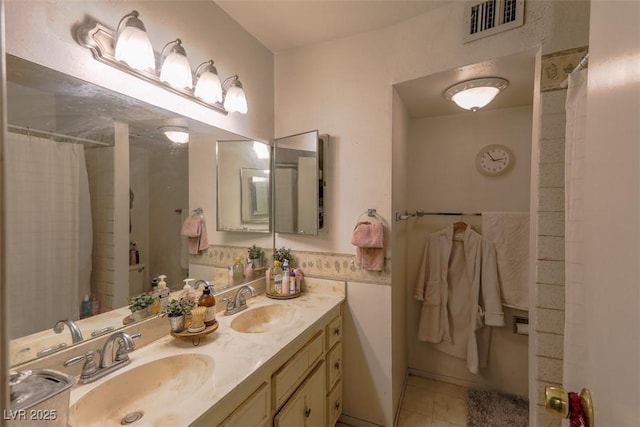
279,362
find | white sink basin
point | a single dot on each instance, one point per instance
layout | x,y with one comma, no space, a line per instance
268,318
158,393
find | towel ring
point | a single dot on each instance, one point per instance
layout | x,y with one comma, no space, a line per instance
370,213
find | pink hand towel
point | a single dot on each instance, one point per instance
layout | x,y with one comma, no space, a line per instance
367,234
196,230
191,227
368,237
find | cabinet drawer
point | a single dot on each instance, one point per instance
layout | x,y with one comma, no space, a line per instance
289,376
334,332
334,404
306,408
334,366
254,412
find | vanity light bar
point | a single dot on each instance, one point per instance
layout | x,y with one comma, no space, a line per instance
101,41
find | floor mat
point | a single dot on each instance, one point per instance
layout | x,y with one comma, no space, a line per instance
496,409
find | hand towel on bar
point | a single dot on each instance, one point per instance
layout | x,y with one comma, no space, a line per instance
195,229
509,231
368,237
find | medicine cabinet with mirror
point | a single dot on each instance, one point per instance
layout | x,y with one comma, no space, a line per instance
299,183
243,186
124,182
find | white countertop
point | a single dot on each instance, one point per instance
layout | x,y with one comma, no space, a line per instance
237,356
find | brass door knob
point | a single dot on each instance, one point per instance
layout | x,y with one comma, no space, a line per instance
557,402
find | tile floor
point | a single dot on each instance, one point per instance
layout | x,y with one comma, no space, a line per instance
429,403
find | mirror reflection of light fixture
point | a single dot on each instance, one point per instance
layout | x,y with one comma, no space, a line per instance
235,99
208,86
475,94
177,134
133,45
261,150
175,69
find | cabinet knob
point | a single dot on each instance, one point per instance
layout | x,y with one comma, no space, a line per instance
337,366
307,412
337,405
336,331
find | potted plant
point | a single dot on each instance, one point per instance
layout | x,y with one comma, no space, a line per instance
175,311
139,305
283,254
256,256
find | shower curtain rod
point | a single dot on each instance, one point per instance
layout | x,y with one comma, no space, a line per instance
36,132
407,215
581,66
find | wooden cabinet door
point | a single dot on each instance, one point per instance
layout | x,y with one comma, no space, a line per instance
306,407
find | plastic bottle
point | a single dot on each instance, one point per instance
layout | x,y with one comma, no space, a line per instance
209,301
299,277
188,293
292,282
230,275
276,275
269,282
86,307
238,271
95,305
248,269
285,277
163,292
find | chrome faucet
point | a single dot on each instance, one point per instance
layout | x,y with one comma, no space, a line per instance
237,302
76,335
112,357
197,283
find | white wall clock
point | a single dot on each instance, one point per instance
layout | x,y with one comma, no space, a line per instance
494,160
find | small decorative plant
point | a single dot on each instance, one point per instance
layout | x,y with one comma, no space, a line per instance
177,308
282,254
256,252
140,302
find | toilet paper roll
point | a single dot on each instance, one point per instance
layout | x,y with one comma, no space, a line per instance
522,328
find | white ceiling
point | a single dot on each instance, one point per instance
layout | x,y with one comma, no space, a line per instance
282,25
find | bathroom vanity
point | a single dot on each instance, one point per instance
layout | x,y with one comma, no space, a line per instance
285,371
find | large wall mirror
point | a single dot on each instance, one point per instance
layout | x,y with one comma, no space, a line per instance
89,174
299,184
243,186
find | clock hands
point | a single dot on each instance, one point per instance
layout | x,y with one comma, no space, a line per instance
495,160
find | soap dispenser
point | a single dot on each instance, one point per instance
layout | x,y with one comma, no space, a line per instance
188,293
163,292
238,271
207,300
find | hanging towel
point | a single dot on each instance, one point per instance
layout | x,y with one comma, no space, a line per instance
368,237
509,231
195,230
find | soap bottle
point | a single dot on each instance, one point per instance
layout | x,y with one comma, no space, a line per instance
163,292
238,271
248,269
268,281
95,305
276,275
285,277
86,306
207,300
188,293
292,282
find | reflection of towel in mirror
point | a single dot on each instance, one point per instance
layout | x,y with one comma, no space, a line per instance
368,237
195,229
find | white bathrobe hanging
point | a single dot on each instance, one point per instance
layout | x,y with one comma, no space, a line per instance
458,284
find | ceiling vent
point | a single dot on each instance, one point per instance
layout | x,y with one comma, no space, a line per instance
485,18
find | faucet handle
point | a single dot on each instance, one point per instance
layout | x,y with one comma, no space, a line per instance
126,345
89,367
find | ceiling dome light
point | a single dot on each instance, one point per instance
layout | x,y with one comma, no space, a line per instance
177,134
208,87
133,45
175,69
475,94
235,99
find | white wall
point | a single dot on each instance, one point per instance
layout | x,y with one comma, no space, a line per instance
343,88
442,176
400,156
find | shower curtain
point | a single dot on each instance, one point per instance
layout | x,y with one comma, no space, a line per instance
575,310
48,232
